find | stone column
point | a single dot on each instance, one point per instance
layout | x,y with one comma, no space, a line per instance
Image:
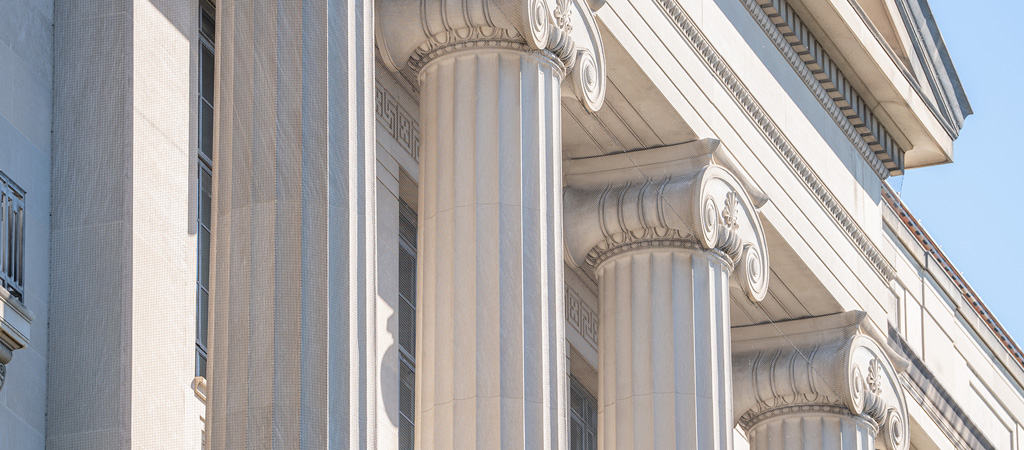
666,232
664,356
489,345
293,244
490,326
826,382
815,429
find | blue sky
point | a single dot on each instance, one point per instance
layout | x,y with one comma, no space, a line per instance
972,207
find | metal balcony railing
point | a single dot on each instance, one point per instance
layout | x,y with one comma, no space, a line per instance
12,237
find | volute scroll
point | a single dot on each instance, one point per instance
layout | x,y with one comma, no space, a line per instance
682,200
822,365
410,33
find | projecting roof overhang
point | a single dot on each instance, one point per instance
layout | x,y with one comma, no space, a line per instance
917,123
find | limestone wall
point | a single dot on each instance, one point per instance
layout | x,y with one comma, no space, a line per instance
26,108
123,242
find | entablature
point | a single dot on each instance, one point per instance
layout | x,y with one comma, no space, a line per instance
962,359
923,251
888,88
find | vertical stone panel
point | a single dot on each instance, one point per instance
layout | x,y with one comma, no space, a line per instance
292,363
91,229
163,252
122,243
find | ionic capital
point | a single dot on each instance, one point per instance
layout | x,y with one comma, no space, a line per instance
836,364
682,196
411,33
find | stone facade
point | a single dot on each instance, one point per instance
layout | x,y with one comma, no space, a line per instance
544,224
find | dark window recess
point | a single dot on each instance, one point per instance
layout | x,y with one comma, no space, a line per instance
205,184
582,417
203,269
206,99
12,237
206,21
407,325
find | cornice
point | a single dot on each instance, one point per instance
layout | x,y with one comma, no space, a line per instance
828,364
777,139
921,236
951,105
714,61
614,207
827,83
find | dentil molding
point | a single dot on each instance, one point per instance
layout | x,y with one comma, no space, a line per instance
676,196
778,141
836,364
411,33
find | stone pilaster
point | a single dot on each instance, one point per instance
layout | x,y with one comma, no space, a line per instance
491,344
666,231
293,280
826,382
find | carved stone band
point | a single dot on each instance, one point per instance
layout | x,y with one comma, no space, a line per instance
410,33
670,196
823,365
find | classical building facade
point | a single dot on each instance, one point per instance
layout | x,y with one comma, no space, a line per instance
458,224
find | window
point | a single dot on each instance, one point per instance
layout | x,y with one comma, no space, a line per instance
12,237
406,325
582,417
205,183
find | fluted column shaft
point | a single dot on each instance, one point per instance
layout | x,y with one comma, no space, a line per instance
813,430
664,353
293,243
490,353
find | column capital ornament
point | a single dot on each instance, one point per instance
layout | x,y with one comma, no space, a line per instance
411,33
677,196
839,364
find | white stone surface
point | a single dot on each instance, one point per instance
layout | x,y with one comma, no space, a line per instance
26,105
665,360
386,330
491,345
293,361
89,361
822,381
308,343
815,430
124,333
664,230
